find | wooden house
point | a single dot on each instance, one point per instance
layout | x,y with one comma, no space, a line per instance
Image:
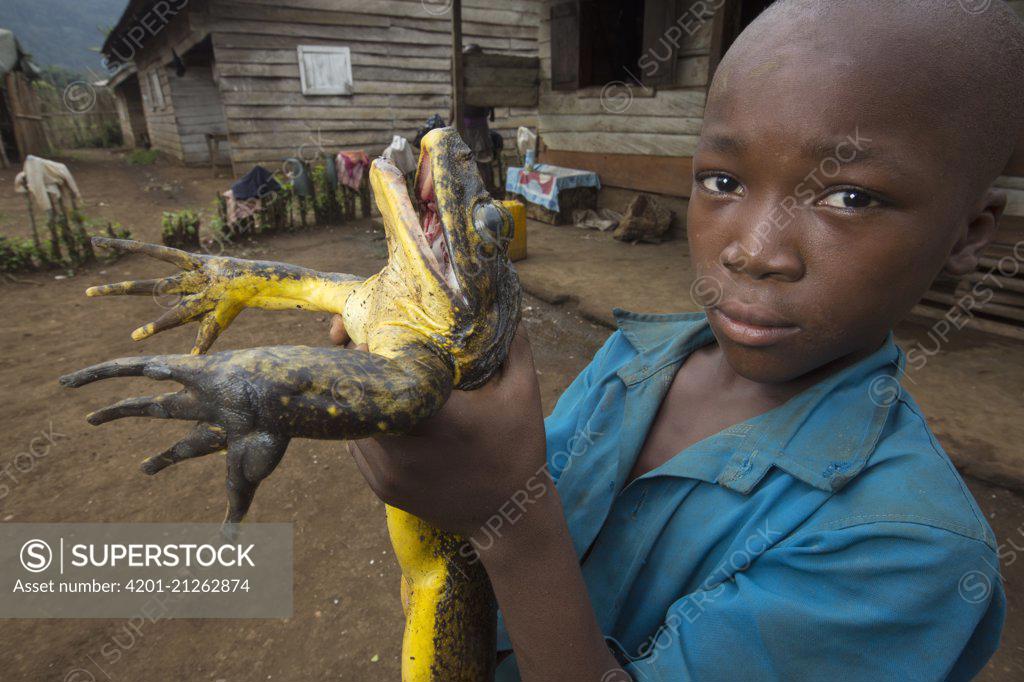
21,120
270,79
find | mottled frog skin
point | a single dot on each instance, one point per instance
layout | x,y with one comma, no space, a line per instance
440,315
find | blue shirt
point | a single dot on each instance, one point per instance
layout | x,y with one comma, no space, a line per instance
829,538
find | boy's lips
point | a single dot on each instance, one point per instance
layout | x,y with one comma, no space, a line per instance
751,325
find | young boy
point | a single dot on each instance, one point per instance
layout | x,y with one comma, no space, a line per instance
746,494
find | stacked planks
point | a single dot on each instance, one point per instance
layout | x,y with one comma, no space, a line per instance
990,299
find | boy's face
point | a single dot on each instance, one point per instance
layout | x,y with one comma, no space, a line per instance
826,199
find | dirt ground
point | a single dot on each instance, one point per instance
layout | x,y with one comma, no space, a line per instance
347,618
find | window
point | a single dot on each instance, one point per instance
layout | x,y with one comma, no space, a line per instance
602,41
156,93
598,41
325,70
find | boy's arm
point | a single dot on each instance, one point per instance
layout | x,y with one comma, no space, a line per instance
477,468
536,577
214,289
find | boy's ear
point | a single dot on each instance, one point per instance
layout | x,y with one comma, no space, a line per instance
963,259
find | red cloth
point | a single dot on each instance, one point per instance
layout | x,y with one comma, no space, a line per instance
351,168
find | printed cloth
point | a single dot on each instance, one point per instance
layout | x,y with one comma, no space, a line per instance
542,184
351,168
42,178
240,209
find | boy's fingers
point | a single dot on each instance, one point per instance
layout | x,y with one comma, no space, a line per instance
339,335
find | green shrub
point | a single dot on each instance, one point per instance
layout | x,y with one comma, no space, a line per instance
143,157
18,254
181,229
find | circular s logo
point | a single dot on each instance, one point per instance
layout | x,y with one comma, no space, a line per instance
36,556
79,97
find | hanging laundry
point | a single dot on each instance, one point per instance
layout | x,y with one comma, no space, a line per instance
351,168
245,198
42,178
331,171
258,182
400,153
240,209
298,172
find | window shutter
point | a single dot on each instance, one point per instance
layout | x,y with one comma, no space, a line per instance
661,47
565,46
325,70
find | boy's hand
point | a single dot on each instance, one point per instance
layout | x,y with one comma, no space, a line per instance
463,464
481,458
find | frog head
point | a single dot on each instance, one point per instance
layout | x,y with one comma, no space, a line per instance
448,253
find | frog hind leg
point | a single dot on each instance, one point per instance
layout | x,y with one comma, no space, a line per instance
450,610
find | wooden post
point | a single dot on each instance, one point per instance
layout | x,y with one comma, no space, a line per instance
51,223
32,218
82,234
64,226
458,83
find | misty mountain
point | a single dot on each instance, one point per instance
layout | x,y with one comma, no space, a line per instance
62,32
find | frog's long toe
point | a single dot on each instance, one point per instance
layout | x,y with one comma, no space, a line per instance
178,405
203,439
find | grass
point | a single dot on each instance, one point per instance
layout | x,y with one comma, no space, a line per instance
143,157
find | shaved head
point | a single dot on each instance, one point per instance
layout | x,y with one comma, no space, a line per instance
931,64
847,157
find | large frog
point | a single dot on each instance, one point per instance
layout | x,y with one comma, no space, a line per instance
440,315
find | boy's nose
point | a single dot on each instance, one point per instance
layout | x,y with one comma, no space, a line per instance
765,252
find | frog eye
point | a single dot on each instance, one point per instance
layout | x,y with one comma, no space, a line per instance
491,222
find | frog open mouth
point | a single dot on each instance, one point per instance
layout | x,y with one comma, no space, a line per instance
439,249
416,223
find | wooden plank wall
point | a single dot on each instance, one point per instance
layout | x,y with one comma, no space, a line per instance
199,111
131,111
400,66
160,121
26,116
627,117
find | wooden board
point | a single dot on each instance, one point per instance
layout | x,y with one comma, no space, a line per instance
26,115
494,80
668,175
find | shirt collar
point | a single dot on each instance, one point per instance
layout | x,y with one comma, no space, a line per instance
822,436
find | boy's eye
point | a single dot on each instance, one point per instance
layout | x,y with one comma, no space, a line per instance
721,184
851,198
